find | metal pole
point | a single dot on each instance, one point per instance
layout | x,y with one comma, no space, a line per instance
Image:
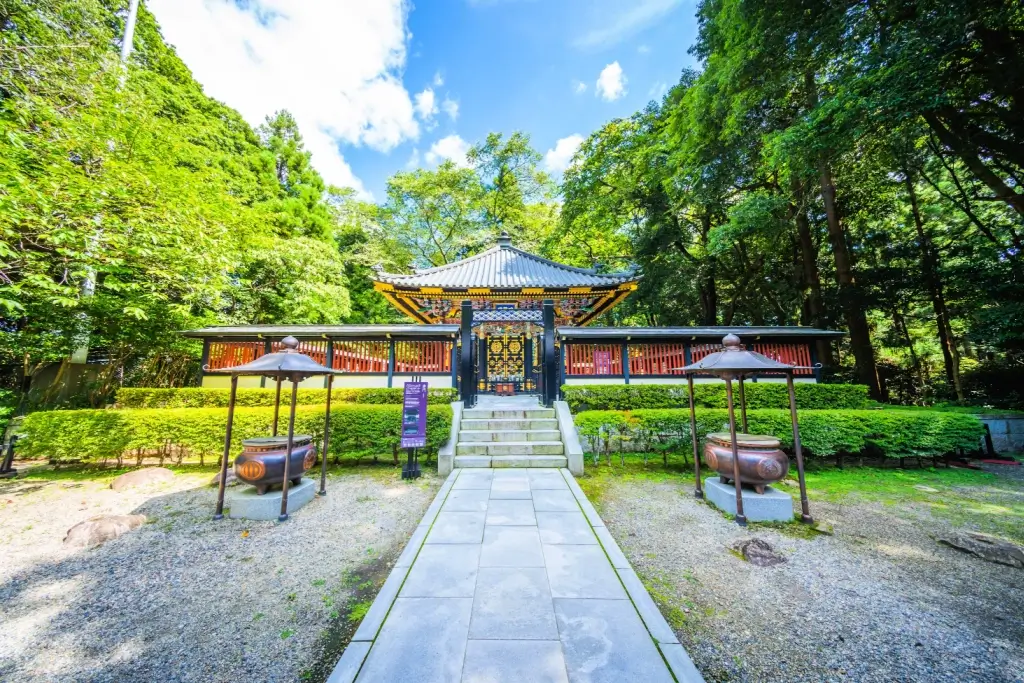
698,492
741,519
288,452
743,406
277,407
327,438
805,507
227,450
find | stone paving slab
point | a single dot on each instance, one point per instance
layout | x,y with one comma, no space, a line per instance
513,603
423,640
512,576
604,641
514,661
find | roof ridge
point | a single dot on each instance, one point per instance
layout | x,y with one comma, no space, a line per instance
564,266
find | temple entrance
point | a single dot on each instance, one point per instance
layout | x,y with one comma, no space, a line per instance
507,358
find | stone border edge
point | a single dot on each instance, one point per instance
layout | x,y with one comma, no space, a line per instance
446,454
351,661
674,654
570,437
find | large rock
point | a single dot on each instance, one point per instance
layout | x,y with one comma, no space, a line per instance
232,480
990,548
758,552
143,477
97,530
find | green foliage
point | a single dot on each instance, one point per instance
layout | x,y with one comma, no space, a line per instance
895,433
101,435
809,396
191,397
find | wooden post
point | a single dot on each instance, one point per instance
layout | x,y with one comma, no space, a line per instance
805,509
699,491
227,450
288,451
277,407
327,438
743,406
741,519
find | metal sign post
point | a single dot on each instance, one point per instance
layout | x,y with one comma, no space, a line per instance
414,425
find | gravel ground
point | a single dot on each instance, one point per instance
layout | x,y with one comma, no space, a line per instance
878,601
184,598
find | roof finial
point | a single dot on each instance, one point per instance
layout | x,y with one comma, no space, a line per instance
290,344
732,343
504,240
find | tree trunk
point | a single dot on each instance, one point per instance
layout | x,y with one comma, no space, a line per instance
849,292
708,288
811,277
930,270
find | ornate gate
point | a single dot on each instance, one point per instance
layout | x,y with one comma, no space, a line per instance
508,359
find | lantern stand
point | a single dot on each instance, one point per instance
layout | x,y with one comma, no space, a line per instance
735,362
285,365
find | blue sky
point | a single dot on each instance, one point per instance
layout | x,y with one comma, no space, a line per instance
397,85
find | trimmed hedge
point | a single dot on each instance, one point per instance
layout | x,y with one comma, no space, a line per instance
809,396
98,435
194,397
896,433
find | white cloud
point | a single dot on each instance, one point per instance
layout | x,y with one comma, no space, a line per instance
658,90
619,20
426,104
558,158
335,64
438,79
451,147
414,160
579,87
450,107
644,49
611,84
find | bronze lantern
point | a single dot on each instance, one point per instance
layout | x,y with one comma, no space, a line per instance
267,461
758,456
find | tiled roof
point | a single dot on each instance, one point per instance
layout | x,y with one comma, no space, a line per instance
505,267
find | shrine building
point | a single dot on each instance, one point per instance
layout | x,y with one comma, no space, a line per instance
502,321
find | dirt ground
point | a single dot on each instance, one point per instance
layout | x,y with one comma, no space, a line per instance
880,600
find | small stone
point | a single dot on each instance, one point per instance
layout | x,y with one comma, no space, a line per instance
142,477
823,527
98,530
231,481
989,548
758,552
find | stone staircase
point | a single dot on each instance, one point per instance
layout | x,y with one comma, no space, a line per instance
509,437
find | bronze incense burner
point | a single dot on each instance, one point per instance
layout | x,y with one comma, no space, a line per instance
262,461
761,460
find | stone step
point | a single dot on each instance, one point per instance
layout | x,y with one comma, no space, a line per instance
510,435
487,414
510,448
499,424
502,461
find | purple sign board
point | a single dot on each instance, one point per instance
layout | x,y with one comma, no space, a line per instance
414,415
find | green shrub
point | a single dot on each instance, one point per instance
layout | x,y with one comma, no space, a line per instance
809,396
99,435
194,397
896,433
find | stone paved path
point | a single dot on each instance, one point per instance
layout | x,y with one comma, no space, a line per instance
512,576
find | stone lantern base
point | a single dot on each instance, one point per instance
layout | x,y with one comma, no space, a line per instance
771,506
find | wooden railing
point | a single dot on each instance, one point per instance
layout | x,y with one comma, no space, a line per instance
360,356
415,357
660,359
656,359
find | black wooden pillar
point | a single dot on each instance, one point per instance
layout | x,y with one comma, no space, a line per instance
549,364
467,381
